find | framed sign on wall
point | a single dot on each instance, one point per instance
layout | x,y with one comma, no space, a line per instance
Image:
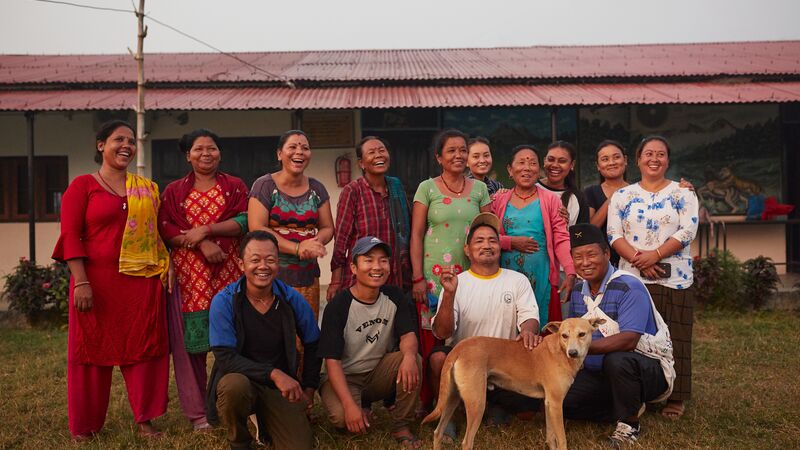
329,129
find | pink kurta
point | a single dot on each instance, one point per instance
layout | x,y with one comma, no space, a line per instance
127,323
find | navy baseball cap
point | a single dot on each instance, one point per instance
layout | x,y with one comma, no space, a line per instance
367,243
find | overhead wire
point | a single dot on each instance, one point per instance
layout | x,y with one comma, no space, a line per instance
283,79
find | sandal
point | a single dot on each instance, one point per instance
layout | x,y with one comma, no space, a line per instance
407,440
674,410
148,431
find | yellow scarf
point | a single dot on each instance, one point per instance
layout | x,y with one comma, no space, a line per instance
143,253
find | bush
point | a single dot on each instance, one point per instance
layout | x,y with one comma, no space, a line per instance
760,281
721,282
718,280
33,290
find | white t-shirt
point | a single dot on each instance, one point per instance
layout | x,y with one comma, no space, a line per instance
493,306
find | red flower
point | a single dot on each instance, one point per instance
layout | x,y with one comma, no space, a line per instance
45,285
447,200
458,269
436,269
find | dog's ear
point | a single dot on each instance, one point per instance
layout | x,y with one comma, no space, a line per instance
552,327
596,322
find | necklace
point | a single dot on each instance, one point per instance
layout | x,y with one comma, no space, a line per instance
124,201
526,197
262,301
458,193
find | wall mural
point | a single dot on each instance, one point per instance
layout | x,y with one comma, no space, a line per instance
729,152
508,127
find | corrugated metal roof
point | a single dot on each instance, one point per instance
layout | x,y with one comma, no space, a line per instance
577,62
401,96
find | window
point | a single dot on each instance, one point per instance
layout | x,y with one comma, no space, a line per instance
50,181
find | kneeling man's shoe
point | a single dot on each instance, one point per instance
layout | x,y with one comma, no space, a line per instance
624,435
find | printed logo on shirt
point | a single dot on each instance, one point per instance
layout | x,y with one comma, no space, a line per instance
373,339
507,297
372,322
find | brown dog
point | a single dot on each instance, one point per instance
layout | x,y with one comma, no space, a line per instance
546,372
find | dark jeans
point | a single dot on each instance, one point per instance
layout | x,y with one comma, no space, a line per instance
627,380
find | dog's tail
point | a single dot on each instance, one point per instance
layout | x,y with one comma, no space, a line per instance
445,385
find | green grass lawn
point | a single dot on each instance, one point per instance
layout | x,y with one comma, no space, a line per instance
746,396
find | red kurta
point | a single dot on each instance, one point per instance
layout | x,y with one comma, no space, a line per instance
128,321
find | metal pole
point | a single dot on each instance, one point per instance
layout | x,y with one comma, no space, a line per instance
554,124
31,194
140,158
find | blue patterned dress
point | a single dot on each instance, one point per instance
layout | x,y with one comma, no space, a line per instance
528,221
647,219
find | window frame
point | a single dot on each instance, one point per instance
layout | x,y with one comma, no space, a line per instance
9,171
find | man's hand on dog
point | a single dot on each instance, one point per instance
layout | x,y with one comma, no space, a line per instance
449,279
529,339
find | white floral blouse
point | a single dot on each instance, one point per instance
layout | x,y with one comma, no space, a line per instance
646,220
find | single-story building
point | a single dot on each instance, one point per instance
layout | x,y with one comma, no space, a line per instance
730,110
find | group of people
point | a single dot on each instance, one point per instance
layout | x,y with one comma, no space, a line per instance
212,266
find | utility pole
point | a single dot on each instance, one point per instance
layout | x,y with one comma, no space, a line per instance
139,57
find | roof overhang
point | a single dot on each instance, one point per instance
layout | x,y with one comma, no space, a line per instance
354,97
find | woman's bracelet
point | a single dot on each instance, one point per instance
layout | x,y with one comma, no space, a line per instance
422,278
210,233
80,283
660,256
297,249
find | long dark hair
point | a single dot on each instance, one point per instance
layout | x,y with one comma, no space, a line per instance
603,145
570,183
105,132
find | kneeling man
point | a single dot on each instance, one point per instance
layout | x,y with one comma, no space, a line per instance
361,327
485,301
630,360
253,326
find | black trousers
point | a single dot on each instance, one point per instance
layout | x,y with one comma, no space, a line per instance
627,380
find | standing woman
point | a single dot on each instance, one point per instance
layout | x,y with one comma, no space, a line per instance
372,205
117,312
196,220
534,238
479,162
296,210
611,164
651,225
559,178
443,208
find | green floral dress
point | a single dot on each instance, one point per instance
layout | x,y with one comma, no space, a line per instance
447,226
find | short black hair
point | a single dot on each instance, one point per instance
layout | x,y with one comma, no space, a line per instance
474,229
187,140
257,235
105,131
